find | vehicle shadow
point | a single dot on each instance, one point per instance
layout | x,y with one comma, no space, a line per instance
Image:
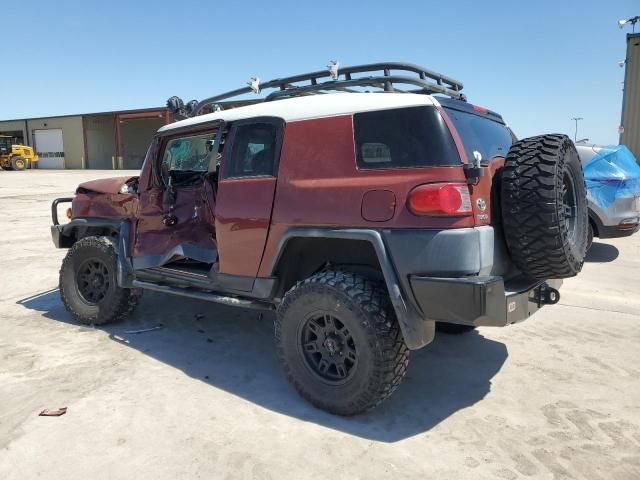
602,253
232,349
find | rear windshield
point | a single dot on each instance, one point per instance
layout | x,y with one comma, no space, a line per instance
490,138
403,137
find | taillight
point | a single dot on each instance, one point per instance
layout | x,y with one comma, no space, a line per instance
440,199
628,224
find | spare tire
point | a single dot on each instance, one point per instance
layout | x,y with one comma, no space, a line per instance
544,207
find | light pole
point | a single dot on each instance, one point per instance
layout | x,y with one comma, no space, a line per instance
632,21
575,135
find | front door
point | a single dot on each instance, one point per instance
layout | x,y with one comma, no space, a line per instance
175,220
245,194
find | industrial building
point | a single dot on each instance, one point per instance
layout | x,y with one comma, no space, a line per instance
109,140
630,126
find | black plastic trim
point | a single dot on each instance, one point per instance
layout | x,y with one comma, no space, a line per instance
200,295
64,236
259,288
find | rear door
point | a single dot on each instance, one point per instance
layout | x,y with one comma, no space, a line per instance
245,193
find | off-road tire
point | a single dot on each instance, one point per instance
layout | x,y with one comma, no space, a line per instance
543,239
19,163
117,303
453,328
362,306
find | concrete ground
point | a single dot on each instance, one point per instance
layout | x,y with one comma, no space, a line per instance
555,397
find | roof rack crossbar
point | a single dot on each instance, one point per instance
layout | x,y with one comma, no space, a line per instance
428,82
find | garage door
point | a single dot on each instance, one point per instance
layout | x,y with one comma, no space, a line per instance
50,148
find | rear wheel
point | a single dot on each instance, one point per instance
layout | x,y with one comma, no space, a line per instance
88,284
19,163
544,207
339,342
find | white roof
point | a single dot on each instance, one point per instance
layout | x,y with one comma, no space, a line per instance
312,106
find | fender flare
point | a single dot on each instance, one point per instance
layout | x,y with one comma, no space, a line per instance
64,236
416,329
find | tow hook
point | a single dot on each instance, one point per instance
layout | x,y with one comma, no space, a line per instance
546,295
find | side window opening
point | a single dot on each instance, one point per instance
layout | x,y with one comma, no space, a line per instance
253,151
188,154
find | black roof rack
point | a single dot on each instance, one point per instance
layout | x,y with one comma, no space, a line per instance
339,79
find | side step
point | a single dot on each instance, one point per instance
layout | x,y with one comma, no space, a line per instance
174,277
201,295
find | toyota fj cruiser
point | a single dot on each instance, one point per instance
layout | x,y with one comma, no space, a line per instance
363,217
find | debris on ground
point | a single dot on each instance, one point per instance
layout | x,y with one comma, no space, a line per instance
53,412
199,316
144,330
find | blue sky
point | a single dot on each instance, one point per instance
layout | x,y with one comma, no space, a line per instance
538,63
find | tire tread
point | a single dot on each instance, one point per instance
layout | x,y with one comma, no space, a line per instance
392,355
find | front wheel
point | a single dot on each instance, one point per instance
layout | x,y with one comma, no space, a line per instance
339,342
88,283
19,163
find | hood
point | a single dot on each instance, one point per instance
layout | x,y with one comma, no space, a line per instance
105,185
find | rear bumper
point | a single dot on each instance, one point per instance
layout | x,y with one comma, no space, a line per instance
614,231
483,300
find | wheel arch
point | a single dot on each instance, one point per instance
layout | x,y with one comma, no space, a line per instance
79,228
305,251
595,222
116,230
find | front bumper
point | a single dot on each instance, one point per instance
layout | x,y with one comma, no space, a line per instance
483,300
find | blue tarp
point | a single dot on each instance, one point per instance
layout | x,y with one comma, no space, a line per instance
611,174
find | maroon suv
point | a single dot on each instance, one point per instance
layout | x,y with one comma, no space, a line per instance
363,213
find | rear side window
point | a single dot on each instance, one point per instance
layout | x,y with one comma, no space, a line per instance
253,151
403,137
490,138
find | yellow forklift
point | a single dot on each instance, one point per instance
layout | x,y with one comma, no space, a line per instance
16,157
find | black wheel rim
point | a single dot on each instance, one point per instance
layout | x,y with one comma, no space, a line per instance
328,348
93,280
569,204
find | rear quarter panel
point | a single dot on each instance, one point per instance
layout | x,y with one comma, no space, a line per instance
320,185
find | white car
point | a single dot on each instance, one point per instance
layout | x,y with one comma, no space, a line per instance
612,175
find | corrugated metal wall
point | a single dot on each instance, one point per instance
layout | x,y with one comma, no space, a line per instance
631,103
